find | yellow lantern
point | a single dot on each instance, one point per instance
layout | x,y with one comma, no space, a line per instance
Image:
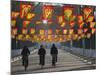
32,30
93,30
42,31
90,18
14,31
80,31
88,35
20,37
71,31
13,23
49,31
14,15
92,24
24,31
65,31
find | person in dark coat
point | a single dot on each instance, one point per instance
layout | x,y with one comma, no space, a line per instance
54,53
41,53
25,53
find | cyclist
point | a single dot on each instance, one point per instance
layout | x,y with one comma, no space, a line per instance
25,53
54,53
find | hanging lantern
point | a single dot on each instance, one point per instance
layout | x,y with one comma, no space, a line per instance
25,23
68,37
42,31
80,31
88,35
93,30
49,31
32,31
47,12
57,31
72,23
63,24
71,31
85,30
20,37
75,37
68,11
81,25
24,31
60,19
24,10
60,38
72,18
87,11
14,31
13,23
27,37
65,31
92,24
14,15
90,18
79,37
30,16
82,35
80,19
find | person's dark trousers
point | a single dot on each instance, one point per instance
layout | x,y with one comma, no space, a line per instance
54,59
42,60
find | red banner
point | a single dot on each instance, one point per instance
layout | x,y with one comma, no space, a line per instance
24,10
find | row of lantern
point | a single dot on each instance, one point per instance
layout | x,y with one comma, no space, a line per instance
81,25
14,31
51,38
48,10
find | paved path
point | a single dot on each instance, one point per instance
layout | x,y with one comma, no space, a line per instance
66,62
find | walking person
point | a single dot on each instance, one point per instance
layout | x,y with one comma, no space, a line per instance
54,53
41,53
25,53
